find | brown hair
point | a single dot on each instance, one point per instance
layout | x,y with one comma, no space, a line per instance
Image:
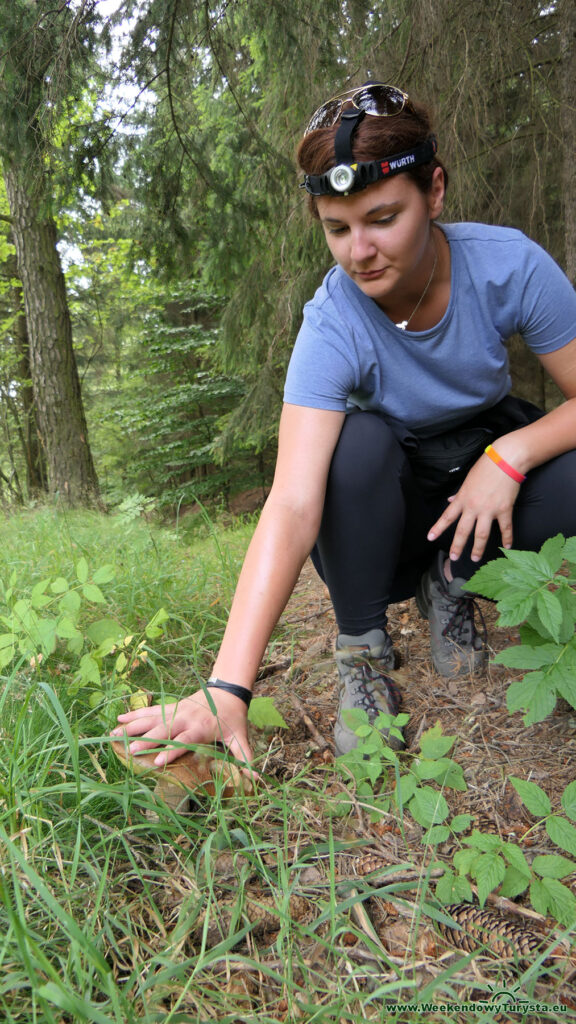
376,138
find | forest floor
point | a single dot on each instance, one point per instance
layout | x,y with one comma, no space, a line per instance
491,746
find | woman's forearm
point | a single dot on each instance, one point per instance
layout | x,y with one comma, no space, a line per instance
542,440
280,545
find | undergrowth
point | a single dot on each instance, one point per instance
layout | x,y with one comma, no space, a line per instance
115,908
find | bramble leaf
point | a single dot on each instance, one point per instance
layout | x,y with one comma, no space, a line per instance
264,714
568,800
553,865
562,833
82,570
428,807
433,744
489,871
532,796
523,656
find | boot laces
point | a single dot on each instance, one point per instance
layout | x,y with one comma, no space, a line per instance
370,684
461,626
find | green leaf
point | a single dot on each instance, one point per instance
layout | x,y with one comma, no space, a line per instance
483,841
552,553
489,580
543,702
539,897
568,800
154,627
93,593
70,604
264,714
453,888
436,834
550,612
563,676
105,574
121,662
516,858
464,860
428,807
461,822
66,629
562,833
405,789
569,550
514,883
532,796
561,902
46,633
522,656
553,866
513,610
424,769
489,871
82,570
89,671
434,744
38,597
104,629
59,585
7,648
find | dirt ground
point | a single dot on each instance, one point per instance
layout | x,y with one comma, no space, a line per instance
492,746
492,743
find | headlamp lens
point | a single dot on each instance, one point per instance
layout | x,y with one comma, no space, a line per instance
341,178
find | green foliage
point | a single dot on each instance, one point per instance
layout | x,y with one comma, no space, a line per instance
494,863
384,780
54,620
537,589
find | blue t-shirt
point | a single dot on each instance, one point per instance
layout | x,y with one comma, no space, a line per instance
349,353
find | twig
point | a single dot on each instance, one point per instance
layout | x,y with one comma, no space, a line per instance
318,738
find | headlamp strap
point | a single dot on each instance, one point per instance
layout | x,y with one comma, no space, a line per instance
349,121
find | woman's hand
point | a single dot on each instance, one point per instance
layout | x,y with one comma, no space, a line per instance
190,721
487,494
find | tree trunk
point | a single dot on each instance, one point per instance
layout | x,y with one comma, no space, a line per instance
32,450
60,414
567,29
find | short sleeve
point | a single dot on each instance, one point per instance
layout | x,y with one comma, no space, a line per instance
321,373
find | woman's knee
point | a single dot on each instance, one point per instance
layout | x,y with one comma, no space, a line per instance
367,451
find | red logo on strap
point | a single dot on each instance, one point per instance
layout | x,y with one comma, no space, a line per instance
385,167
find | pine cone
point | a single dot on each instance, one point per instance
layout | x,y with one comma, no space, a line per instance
483,927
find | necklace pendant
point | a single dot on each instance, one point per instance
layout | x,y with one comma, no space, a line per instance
402,325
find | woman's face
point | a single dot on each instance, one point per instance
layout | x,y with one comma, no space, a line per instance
381,236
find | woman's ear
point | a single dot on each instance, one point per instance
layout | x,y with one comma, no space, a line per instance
436,194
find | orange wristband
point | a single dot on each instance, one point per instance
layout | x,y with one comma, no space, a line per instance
503,465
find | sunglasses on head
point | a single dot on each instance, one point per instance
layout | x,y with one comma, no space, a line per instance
373,98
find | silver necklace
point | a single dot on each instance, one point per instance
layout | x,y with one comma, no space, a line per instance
404,323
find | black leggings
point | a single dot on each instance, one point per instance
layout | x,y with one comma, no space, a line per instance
372,546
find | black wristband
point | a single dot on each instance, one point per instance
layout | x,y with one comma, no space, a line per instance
237,691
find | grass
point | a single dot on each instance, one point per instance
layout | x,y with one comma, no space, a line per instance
115,909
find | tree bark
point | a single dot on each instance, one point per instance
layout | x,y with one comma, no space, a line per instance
25,411
60,415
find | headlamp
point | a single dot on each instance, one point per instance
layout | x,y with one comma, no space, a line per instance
342,177
350,177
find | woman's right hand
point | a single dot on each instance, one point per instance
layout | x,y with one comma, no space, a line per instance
189,721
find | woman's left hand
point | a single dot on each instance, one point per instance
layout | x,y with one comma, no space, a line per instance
487,494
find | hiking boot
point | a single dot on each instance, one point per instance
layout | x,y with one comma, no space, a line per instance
363,665
456,647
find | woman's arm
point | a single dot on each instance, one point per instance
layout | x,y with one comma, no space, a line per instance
487,493
283,539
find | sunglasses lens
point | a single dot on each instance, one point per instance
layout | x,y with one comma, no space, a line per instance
325,116
380,100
